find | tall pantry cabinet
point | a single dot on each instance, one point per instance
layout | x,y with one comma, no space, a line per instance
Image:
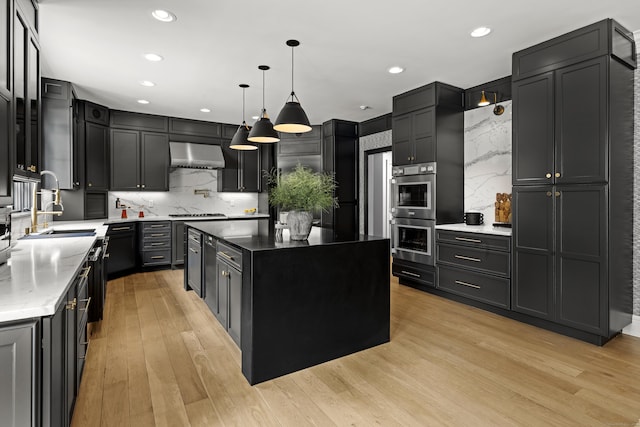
573,181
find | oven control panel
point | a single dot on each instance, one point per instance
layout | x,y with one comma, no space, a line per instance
418,169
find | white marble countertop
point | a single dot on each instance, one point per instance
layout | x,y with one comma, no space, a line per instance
483,229
112,220
38,274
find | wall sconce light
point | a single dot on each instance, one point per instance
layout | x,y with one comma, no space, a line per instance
498,109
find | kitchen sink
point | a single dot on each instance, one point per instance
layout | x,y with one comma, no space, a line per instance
61,233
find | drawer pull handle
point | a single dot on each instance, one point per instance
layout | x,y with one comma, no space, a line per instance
158,235
86,307
158,257
121,228
468,258
85,272
410,273
225,255
193,250
466,239
157,226
470,285
158,244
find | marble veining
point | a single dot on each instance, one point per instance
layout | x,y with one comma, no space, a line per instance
181,198
487,158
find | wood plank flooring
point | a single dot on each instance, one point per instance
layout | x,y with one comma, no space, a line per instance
160,358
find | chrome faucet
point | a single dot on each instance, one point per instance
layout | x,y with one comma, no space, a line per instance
34,202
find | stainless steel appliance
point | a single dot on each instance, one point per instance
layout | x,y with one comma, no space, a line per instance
414,213
413,239
414,191
5,234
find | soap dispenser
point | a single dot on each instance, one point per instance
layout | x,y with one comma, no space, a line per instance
118,205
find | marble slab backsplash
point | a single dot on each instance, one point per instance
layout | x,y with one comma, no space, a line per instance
487,158
181,197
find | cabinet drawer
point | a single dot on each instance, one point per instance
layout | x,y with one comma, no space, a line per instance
424,277
482,260
156,245
480,287
230,254
156,257
478,240
156,226
121,228
156,235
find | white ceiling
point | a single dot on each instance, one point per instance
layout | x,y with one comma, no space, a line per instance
346,48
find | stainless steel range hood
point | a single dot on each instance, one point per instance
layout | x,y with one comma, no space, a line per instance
200,156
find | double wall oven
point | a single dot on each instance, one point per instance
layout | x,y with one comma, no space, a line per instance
414,213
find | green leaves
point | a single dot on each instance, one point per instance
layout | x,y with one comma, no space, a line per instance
302,189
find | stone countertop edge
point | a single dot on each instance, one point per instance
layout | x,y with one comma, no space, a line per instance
116,220
482,229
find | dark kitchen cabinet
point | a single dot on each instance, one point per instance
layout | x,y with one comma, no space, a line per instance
6,105
242,170
340,158
560,234
228,290
560,120
139,161
18,378
138,121
155,243
6,14
428,124
97,156
178,240
26,90
123,249
572,170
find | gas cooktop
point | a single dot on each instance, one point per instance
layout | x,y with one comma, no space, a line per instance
198,214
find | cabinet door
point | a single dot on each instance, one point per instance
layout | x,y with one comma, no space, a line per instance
250,171
5,63
33,106
581,269
235,303
20,96
221,311
402,143
6,164
229,177
155,162
125,160
17,375
581,123
423,129
533,131
122,252
70,354
97,156
533,251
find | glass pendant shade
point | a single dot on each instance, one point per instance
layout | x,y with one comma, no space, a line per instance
292,118
240,141
263,131
483,100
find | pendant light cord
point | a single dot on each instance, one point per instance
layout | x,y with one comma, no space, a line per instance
292,91
243,92
262,114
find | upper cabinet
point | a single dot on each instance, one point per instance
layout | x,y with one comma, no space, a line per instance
6,103
427,123
26,89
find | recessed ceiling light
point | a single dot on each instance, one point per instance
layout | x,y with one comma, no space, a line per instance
396,70
147,83
255,117
364,107
205,110
163,15
153,57
480,32
142,101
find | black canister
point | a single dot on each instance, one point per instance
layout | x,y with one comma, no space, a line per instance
474,218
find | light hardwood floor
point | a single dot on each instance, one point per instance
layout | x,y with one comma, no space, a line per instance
159,357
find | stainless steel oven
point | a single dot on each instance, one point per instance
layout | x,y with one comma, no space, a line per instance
413,191
413,240
5,234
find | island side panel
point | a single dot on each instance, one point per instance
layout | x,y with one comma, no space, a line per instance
309,304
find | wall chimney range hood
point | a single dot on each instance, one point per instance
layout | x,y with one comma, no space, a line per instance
199,156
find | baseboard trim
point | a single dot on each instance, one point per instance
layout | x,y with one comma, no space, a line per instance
634,328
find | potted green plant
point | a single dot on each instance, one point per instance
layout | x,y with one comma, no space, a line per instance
301,192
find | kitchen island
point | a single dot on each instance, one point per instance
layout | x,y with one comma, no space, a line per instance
305,303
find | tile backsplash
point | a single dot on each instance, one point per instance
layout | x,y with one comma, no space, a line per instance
487,158
187,191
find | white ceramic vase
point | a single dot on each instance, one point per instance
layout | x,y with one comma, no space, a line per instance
299,223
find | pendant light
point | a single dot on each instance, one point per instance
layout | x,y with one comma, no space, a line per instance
292,118
239,140
262,130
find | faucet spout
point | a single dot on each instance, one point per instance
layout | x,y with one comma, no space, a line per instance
34,201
